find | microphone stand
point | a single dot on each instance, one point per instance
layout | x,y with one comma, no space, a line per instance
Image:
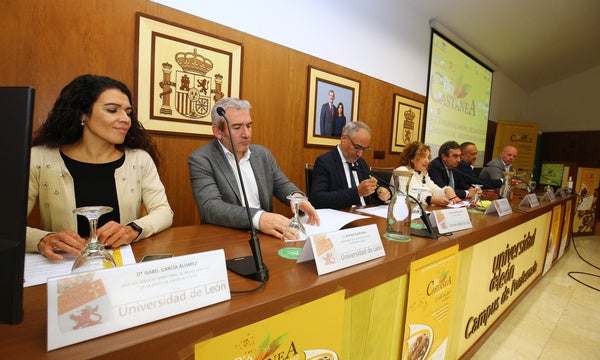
428,232
471,177
251,267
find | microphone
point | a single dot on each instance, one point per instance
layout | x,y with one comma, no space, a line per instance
251,267
428,232
478,180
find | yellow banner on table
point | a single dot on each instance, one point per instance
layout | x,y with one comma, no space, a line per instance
553,238
430,294
307,332
492,275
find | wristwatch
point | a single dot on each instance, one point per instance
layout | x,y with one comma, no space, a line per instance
136,227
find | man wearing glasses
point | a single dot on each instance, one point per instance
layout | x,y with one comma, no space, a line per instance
340,177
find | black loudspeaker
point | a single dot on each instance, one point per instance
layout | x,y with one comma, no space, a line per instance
16,109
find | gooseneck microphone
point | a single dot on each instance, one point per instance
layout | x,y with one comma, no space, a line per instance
476,179
251,267
428,232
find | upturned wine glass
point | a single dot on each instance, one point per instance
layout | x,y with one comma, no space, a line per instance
476,200
416,211
94,256
294,235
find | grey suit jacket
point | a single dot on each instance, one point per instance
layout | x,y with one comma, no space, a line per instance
216,191
492,173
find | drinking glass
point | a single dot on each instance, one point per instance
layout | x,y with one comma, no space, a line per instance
94,256
476,200
294,235
416,213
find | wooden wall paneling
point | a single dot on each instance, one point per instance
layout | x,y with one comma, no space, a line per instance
52,42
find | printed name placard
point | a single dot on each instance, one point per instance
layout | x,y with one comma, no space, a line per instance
340,249
549,196
530,200
449,220
500,206
560,192
88,305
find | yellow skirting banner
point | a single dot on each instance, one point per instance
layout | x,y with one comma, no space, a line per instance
310,331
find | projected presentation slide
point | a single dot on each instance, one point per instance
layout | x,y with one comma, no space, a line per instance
459,93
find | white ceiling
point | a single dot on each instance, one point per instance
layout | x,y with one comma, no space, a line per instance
533,42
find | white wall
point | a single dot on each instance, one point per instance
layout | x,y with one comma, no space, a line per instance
349,34
568,105
509,101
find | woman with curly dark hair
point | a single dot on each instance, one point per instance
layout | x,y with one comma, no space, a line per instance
92,150
415,158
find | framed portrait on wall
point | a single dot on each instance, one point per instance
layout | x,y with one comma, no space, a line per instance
180,74
332,103
407,122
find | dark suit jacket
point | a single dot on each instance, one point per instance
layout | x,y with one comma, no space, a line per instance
216,191
326,120
329,187
437,173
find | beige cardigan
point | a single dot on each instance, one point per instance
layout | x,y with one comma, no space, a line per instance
137,182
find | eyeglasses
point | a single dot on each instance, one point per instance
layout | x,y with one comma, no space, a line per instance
358,147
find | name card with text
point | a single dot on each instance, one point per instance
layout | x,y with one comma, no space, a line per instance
88,305
500,206
530,200
340,249
449,220
549,196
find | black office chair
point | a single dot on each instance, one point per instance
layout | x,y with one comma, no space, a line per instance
308,169
383,173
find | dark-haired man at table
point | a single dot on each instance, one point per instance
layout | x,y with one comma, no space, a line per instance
441,170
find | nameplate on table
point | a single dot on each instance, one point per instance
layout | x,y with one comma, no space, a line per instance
560,192
530,200
449,220
341,249
88,305
500,207
549,196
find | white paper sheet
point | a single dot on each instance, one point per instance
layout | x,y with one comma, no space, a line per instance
331,220
39,268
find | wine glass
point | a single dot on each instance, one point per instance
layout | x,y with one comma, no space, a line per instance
294,235
94,256
476,200
416,213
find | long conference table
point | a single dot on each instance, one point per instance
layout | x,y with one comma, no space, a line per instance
290,284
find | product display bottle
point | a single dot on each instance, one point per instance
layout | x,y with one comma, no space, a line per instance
399,209
570,184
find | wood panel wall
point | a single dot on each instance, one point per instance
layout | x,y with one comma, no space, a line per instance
47,43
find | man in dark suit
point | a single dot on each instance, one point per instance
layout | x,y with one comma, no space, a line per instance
441,170
214,176
464,170
327,115
341,176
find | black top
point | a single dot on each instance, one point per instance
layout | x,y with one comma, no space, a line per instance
94,185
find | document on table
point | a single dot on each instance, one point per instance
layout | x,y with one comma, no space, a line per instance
39,268
380,211
331,220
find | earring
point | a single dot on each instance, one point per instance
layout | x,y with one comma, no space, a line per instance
81,122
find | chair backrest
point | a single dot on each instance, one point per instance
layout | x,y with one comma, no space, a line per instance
384,173
308,176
